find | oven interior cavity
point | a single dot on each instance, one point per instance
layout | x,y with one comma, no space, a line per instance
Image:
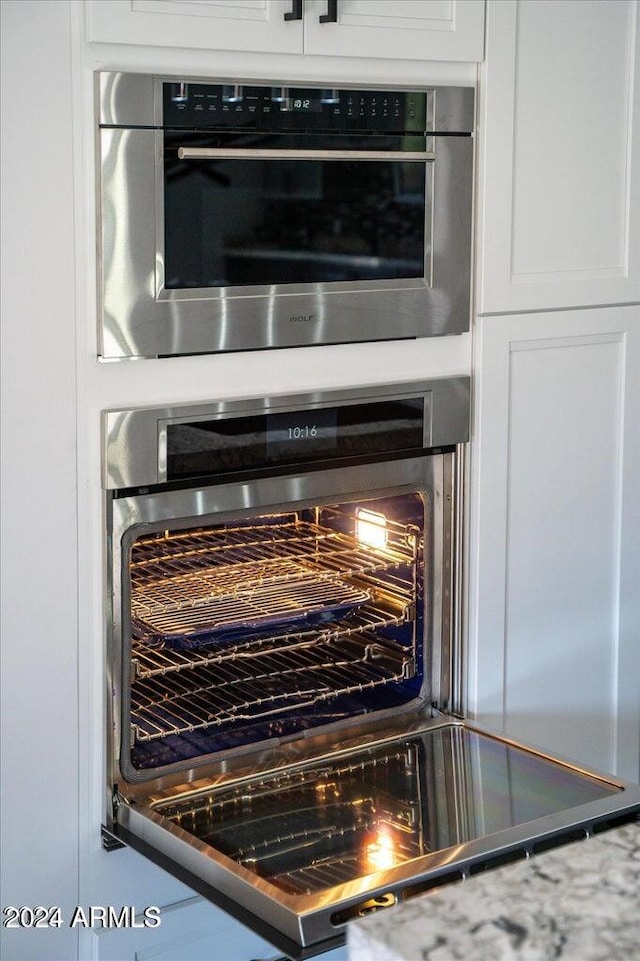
266,626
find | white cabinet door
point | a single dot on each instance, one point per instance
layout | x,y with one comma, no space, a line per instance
555,533
397,29
252,25
190,930
560,157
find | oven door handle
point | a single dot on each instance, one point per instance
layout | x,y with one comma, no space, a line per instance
262,153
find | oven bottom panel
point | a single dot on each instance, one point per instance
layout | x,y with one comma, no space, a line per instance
356,826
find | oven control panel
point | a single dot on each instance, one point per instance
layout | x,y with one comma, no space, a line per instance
197,105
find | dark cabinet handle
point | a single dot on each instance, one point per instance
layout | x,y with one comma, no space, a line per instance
331,16
296,11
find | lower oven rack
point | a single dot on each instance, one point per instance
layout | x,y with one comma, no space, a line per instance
277,683
151,661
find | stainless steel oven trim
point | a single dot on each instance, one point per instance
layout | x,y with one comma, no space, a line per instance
165,422
130,516
140,318
135,99
134,439
139,314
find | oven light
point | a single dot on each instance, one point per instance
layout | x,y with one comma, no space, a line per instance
381,854
371,528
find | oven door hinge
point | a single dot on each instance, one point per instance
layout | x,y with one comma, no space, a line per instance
110,841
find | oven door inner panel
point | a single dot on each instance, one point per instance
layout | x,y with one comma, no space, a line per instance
310,835
317,826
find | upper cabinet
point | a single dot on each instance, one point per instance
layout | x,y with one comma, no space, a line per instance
398,29
560,160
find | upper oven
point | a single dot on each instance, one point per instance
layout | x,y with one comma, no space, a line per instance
241,216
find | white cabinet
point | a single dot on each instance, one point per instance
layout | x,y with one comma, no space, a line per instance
190,930
397,29
560,155
555,533
251,25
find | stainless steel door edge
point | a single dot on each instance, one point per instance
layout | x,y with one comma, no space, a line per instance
310,918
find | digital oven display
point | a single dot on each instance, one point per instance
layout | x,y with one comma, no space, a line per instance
304,104
308,431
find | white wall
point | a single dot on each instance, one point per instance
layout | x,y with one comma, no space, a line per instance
39,808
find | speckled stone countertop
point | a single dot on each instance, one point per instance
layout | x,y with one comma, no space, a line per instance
579,902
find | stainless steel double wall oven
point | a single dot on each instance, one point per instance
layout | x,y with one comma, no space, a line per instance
240,216
285,663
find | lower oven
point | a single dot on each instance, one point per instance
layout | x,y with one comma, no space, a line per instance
285,728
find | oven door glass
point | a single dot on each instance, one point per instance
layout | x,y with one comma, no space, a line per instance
254,223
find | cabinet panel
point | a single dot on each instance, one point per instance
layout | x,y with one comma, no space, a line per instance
451,30
252,25
189,931
556,533
399,29
560,189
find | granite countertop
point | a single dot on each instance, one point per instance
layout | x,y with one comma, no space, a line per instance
579,902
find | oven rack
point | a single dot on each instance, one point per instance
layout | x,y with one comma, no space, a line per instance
174,553
150,661
277,591
274,684
221,579
320,874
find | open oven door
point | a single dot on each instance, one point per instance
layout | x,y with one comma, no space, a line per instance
305,838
